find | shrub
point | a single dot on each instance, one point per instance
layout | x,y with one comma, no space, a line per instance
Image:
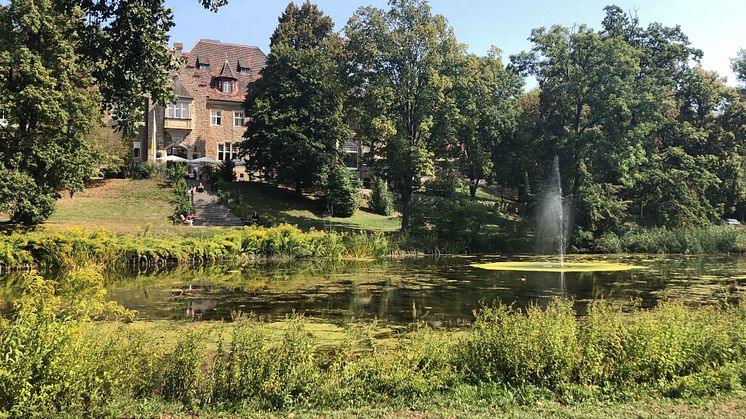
511,346
176,172
381,200
341,192
445,183
225,171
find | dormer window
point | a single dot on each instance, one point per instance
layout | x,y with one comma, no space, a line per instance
203,66
244,70
226,86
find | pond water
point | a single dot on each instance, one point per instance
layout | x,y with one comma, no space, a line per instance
441,291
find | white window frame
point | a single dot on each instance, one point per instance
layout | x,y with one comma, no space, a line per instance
226,87
178,110
221,151
137,145
238,118
216,117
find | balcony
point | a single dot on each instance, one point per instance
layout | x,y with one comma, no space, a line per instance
177,123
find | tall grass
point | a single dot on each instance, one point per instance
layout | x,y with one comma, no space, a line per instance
73,247
691,240
54,362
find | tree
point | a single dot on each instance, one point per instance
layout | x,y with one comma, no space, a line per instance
381,201
611,103
304,27
63,63
484,113
397,71
738,64
296,107
341,191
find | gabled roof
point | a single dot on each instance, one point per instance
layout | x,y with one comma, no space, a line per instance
227,71
180,91
208,51
233,57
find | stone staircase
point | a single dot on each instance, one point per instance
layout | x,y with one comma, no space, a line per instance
209,212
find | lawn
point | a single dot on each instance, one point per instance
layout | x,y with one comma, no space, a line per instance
280,205
122,205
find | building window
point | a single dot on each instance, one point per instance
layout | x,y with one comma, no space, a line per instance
244,70
227,151
178,110
136,149
216,117
227,86
201,66
234,151
350,155
238,118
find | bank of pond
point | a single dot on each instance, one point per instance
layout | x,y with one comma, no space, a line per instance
60,248
321,335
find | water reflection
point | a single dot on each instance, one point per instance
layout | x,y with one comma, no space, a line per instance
442,292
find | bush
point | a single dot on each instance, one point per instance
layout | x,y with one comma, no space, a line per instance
225,171
509,346
445,183
341,192
381,200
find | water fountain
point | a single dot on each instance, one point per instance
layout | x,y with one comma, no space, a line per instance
552,230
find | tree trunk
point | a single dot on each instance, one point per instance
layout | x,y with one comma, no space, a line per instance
473,188
405,211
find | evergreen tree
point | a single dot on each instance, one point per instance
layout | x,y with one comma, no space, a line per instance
296,107
381,201
341,191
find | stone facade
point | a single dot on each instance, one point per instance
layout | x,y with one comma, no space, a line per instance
215,80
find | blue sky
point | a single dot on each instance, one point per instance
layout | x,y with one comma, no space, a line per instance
716,27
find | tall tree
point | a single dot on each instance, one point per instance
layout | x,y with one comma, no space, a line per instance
62,64
397,68
483,114
296,107
302,27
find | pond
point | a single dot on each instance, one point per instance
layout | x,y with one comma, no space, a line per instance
440,291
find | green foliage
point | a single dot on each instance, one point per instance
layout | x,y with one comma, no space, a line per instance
381,200
55,363
642,135
303,27
537,347
342,189
445,182
182,198
482,114
62,64
72,247
176,172
693,240
296,107
225,171
398,67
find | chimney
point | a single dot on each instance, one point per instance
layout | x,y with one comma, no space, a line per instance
178,47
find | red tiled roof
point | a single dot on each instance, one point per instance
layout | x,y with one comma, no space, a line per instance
234,57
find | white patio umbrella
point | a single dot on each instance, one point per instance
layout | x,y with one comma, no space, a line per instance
173,158
239,162
205,160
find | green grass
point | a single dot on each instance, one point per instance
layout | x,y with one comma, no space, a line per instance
277,205
122,205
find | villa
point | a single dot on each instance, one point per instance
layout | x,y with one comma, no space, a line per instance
207,119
